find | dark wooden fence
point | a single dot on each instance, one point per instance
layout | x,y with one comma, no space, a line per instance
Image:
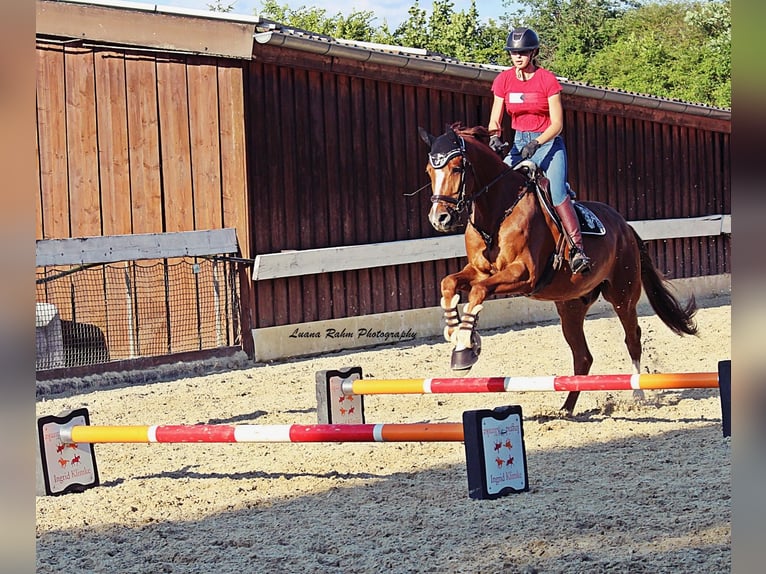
338,150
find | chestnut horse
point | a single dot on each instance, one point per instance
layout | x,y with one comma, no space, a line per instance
515,246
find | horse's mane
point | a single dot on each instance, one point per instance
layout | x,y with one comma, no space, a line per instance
477,132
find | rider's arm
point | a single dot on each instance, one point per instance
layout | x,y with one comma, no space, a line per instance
556,111
496,117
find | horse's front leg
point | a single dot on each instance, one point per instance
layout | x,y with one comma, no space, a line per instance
450,286
466,339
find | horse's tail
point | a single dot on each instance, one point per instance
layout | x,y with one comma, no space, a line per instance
678,318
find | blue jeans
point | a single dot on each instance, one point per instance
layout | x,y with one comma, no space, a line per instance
551,157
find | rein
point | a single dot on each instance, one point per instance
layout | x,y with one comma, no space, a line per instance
486,236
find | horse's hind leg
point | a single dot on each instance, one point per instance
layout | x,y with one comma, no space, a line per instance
572,314
624,303
626,311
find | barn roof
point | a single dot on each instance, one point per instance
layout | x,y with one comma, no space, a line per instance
232,35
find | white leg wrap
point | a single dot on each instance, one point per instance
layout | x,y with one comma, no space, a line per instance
638,394
450,317
467,327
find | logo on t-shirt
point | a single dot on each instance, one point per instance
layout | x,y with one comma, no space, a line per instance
515,97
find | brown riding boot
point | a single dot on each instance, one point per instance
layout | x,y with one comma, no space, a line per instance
578,261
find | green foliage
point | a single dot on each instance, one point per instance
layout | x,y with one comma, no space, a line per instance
358,25
571,31
219,6
413,32
676,50
670,48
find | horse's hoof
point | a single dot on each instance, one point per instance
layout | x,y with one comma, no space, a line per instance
463,359
476,343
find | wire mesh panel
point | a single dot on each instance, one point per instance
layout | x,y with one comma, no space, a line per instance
109,312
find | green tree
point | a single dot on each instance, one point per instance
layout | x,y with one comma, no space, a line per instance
673,49
219,6
713,20
571,31
670,48
358,25
413,32
459,35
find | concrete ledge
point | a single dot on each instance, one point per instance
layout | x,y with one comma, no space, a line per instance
304,339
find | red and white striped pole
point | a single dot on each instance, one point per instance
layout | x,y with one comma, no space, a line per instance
525,384
405,432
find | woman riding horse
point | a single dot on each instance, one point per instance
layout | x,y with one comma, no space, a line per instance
532,97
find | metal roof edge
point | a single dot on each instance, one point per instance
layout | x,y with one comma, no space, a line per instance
384,55
645,101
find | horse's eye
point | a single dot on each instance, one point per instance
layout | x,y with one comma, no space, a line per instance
457,170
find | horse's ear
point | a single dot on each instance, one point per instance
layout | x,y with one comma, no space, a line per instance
426,137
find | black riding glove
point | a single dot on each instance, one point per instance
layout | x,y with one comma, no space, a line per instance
529,150
498,146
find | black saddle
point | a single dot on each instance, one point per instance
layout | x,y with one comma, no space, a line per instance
590,224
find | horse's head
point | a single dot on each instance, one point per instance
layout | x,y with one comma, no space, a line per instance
446,168
453,183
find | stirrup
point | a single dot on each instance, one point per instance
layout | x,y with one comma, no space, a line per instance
578,261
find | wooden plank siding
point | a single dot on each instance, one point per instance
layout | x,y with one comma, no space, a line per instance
131,142
53,217
142,137
113,160
346,151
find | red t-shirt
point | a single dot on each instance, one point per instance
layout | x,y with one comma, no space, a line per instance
527,102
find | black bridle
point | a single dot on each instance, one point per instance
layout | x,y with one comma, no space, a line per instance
440,159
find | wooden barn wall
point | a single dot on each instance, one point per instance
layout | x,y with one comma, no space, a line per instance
650,164
334,153
139,142
334,149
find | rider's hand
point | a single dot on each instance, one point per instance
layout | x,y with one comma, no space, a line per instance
498,146
529,150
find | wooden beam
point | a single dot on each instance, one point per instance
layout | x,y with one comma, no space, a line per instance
109,249
345,258
705,226
146,28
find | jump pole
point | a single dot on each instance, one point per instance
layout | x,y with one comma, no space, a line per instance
405,432
340,393
660,381
493,442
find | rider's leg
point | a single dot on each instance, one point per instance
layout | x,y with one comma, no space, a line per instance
555,166
579,262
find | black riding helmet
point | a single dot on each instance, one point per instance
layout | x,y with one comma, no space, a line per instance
522,40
